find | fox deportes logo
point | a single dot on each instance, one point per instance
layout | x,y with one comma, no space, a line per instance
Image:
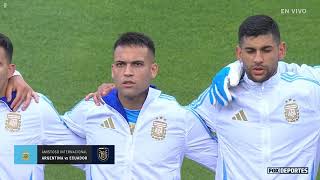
287,170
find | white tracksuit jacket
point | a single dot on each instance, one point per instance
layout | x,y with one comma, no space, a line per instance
271,124
39,124
164,133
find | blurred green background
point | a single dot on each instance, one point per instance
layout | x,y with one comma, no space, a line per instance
64,48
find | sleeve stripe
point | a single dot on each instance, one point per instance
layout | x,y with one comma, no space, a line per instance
200,99
49,102
291,78
211,133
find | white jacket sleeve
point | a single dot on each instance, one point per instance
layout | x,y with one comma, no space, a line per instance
76,117
54,129
201,145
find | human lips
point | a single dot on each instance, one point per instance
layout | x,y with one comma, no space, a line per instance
258,70
128,83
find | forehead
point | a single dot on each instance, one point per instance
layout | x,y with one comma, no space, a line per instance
131,53
258,41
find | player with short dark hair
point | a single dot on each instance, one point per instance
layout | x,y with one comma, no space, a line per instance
39,124
258,25
273,122
151,132
135,39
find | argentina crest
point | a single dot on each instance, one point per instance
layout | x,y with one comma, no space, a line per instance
103,153
159,128
25,156
13,122
291,110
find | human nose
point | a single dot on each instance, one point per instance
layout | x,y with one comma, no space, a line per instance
128,70
258,57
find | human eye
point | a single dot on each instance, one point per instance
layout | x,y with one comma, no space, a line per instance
250,51
267,50
120,64
138,64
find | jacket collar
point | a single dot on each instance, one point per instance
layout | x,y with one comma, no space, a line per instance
112,100
5,101
256,85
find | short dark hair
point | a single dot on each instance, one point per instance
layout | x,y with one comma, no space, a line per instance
259,25
6,44
135,39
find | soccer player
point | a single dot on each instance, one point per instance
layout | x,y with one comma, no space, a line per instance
274,120
151,132
230,76
39,124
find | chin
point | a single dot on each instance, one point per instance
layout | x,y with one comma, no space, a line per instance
129,92
261,79
257,79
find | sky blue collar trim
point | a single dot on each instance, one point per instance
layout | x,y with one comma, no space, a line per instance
112,100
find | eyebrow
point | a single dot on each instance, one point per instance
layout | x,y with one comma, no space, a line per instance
264,47
134,61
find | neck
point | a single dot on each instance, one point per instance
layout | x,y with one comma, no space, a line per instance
133,103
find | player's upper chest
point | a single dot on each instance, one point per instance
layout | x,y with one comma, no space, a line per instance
19,127
278,112
155,125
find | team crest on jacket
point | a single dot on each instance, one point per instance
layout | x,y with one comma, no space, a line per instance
159,128
103,153
291,110
13,122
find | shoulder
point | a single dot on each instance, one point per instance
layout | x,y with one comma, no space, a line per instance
167,97
43,111
297,79
168,104
157,97
203,100
44,100
84,104
168,101
298,85
44,104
